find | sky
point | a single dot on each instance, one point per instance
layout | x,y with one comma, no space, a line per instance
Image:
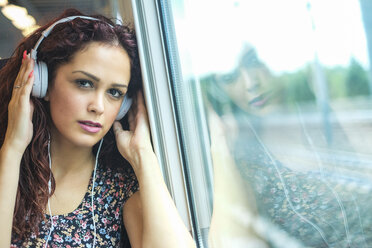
286,34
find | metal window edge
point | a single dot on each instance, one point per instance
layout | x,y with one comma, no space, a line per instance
164,130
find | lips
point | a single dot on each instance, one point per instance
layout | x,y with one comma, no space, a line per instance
260,100
90,126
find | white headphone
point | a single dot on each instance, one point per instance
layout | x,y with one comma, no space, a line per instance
41,70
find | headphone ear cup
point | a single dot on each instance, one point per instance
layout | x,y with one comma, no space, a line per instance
41,80
124,108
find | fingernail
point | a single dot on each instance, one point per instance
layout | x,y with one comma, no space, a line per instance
25,54
31,73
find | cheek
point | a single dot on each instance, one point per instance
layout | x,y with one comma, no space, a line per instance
110,116
234,91
64,105
112,112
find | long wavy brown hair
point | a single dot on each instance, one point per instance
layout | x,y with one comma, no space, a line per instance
57,49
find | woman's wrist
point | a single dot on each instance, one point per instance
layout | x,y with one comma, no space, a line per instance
146,163
13,145
9,165
9,153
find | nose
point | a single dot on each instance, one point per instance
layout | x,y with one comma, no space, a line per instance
250,83
97,104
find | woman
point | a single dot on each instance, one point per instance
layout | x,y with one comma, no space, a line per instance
60,149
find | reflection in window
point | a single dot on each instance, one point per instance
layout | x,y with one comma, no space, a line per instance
288,116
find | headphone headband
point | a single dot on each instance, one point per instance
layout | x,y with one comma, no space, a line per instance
47,31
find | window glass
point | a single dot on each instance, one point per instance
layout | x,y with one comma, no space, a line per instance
284,89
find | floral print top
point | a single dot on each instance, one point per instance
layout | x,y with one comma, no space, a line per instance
75,229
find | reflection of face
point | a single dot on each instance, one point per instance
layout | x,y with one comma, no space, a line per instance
249,89
87,93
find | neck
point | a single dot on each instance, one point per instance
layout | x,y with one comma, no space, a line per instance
68,159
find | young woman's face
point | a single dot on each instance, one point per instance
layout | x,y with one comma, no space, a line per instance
87,94
250,90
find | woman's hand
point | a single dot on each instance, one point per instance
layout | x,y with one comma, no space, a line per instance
135,143
20,109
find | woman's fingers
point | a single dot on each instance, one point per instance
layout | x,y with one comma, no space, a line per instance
131,120
134,143
137,111
27,87
141,115
141,104
121,135
140,101
123,138
20,108
22,68
21,77
24,81
117,128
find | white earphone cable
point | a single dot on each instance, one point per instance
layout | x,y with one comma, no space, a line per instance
50,190
92,194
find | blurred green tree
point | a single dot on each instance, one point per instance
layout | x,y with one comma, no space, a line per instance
356,80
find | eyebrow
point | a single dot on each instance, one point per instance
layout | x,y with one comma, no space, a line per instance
97,79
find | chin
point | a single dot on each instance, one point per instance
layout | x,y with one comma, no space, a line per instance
86,140
78,137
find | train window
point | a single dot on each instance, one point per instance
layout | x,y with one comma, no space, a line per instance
271,101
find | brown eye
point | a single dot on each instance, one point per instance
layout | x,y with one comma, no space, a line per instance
115,93
83,83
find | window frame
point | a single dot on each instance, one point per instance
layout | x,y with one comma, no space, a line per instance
159,102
